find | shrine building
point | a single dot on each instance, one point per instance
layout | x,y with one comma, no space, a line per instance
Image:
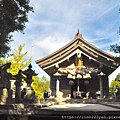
78,67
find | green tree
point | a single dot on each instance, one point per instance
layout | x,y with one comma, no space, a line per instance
13,16
2,62
116,49
118,77
113,85
44,79
39,85
18,60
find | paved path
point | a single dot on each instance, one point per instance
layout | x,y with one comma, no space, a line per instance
83,107
80,111
73,111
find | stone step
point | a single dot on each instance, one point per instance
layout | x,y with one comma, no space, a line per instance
11,106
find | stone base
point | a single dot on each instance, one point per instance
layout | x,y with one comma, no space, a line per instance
18,100
10,101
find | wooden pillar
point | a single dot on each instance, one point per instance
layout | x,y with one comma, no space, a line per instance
57,87
57,83
100,80
101,86
78,87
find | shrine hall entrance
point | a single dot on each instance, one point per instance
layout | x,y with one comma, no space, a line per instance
82,88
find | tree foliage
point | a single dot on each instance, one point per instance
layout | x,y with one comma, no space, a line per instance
2,62
118,77
113,85
39,85
18,60
13,16
116,49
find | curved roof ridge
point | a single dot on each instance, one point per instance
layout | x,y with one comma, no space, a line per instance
78,37
59,50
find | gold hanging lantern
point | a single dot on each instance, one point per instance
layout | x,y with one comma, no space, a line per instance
79,62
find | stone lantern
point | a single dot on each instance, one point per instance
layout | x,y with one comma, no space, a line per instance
18,85
30,94
29,74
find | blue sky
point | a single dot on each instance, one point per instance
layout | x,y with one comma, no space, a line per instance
54,23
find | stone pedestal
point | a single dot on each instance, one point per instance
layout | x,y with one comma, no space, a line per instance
18,93
30,96
18,84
